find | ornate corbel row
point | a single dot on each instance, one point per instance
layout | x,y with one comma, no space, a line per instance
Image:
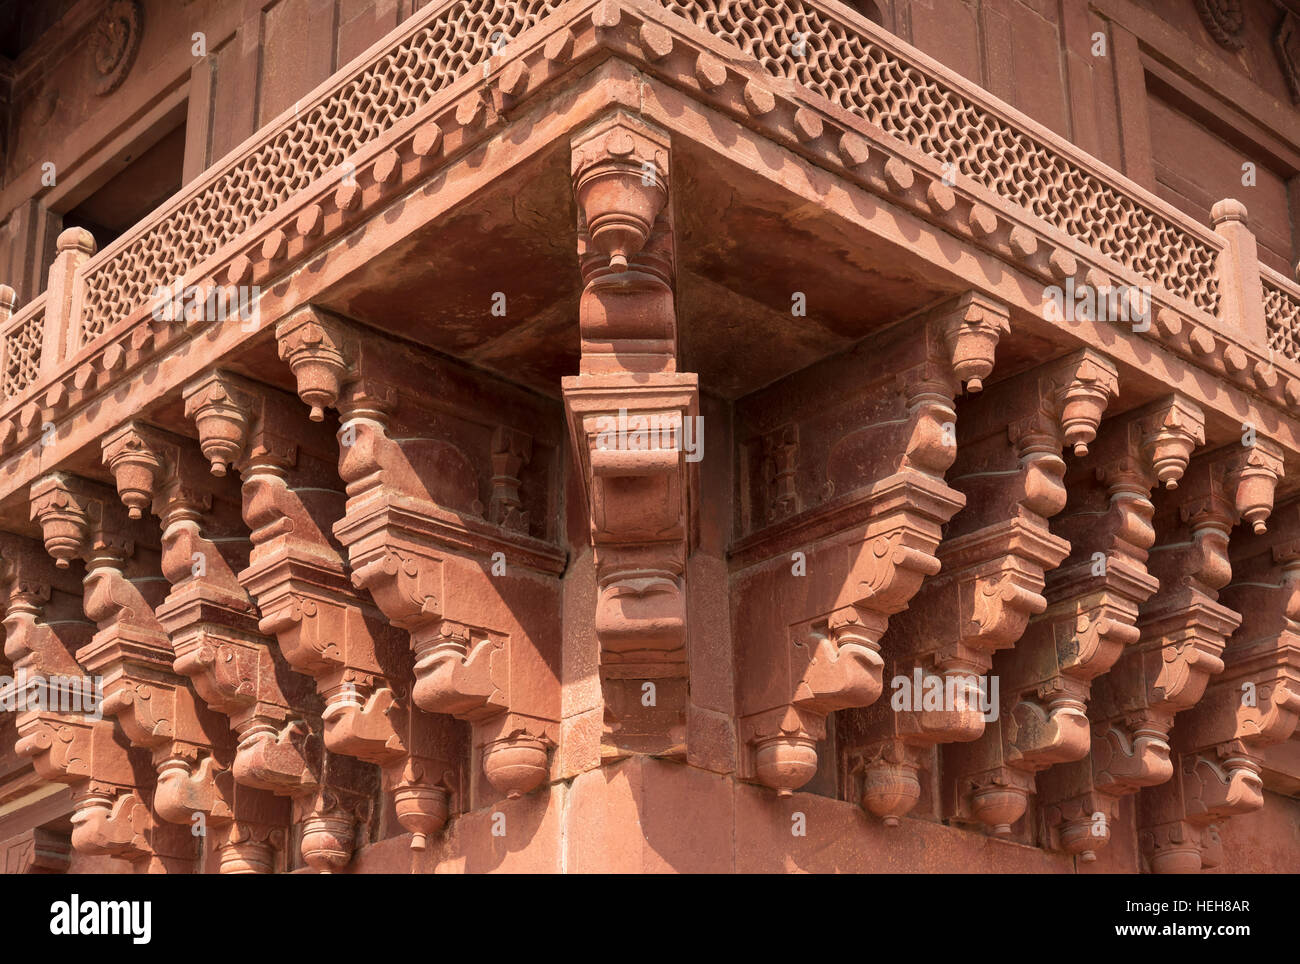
870,544
422,542
63,731
632,416
212,625
996,558
1182,630
1254,703
324,629
1094,600
155,709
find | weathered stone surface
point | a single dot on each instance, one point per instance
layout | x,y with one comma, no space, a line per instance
632,436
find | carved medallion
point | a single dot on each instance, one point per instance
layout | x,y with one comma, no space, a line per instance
1287,43
115,41
1224,19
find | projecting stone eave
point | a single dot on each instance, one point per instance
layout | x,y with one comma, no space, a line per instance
868,193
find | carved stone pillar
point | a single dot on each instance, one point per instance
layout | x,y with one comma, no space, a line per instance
630,411
817,588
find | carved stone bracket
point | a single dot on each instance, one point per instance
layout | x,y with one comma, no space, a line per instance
875,545
1252,704
155,708
414,550
309,603
633,418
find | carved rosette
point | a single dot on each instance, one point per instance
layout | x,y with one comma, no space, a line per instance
115,41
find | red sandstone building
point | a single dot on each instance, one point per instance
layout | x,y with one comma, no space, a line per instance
650,435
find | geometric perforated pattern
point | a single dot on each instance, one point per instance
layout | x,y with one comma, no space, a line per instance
379,96
22,355
864,78
840,64
1282,313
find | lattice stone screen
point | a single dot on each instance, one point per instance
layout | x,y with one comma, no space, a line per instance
375,99
845,67
852,71
22,355
1282,311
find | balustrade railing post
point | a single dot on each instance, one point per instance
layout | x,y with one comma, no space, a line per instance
74,248
1241,294
8,299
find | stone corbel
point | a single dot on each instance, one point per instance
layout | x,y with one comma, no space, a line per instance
206,609
405,544
1094,603
110,817
309,603
995,557
1092,619
638,498
156,709
1255,701
885,481
1045,721
299,582
111,825
38,639
838,666
1131,753
1222,784
996,798
631,413
286,761
1184,627
1048,726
